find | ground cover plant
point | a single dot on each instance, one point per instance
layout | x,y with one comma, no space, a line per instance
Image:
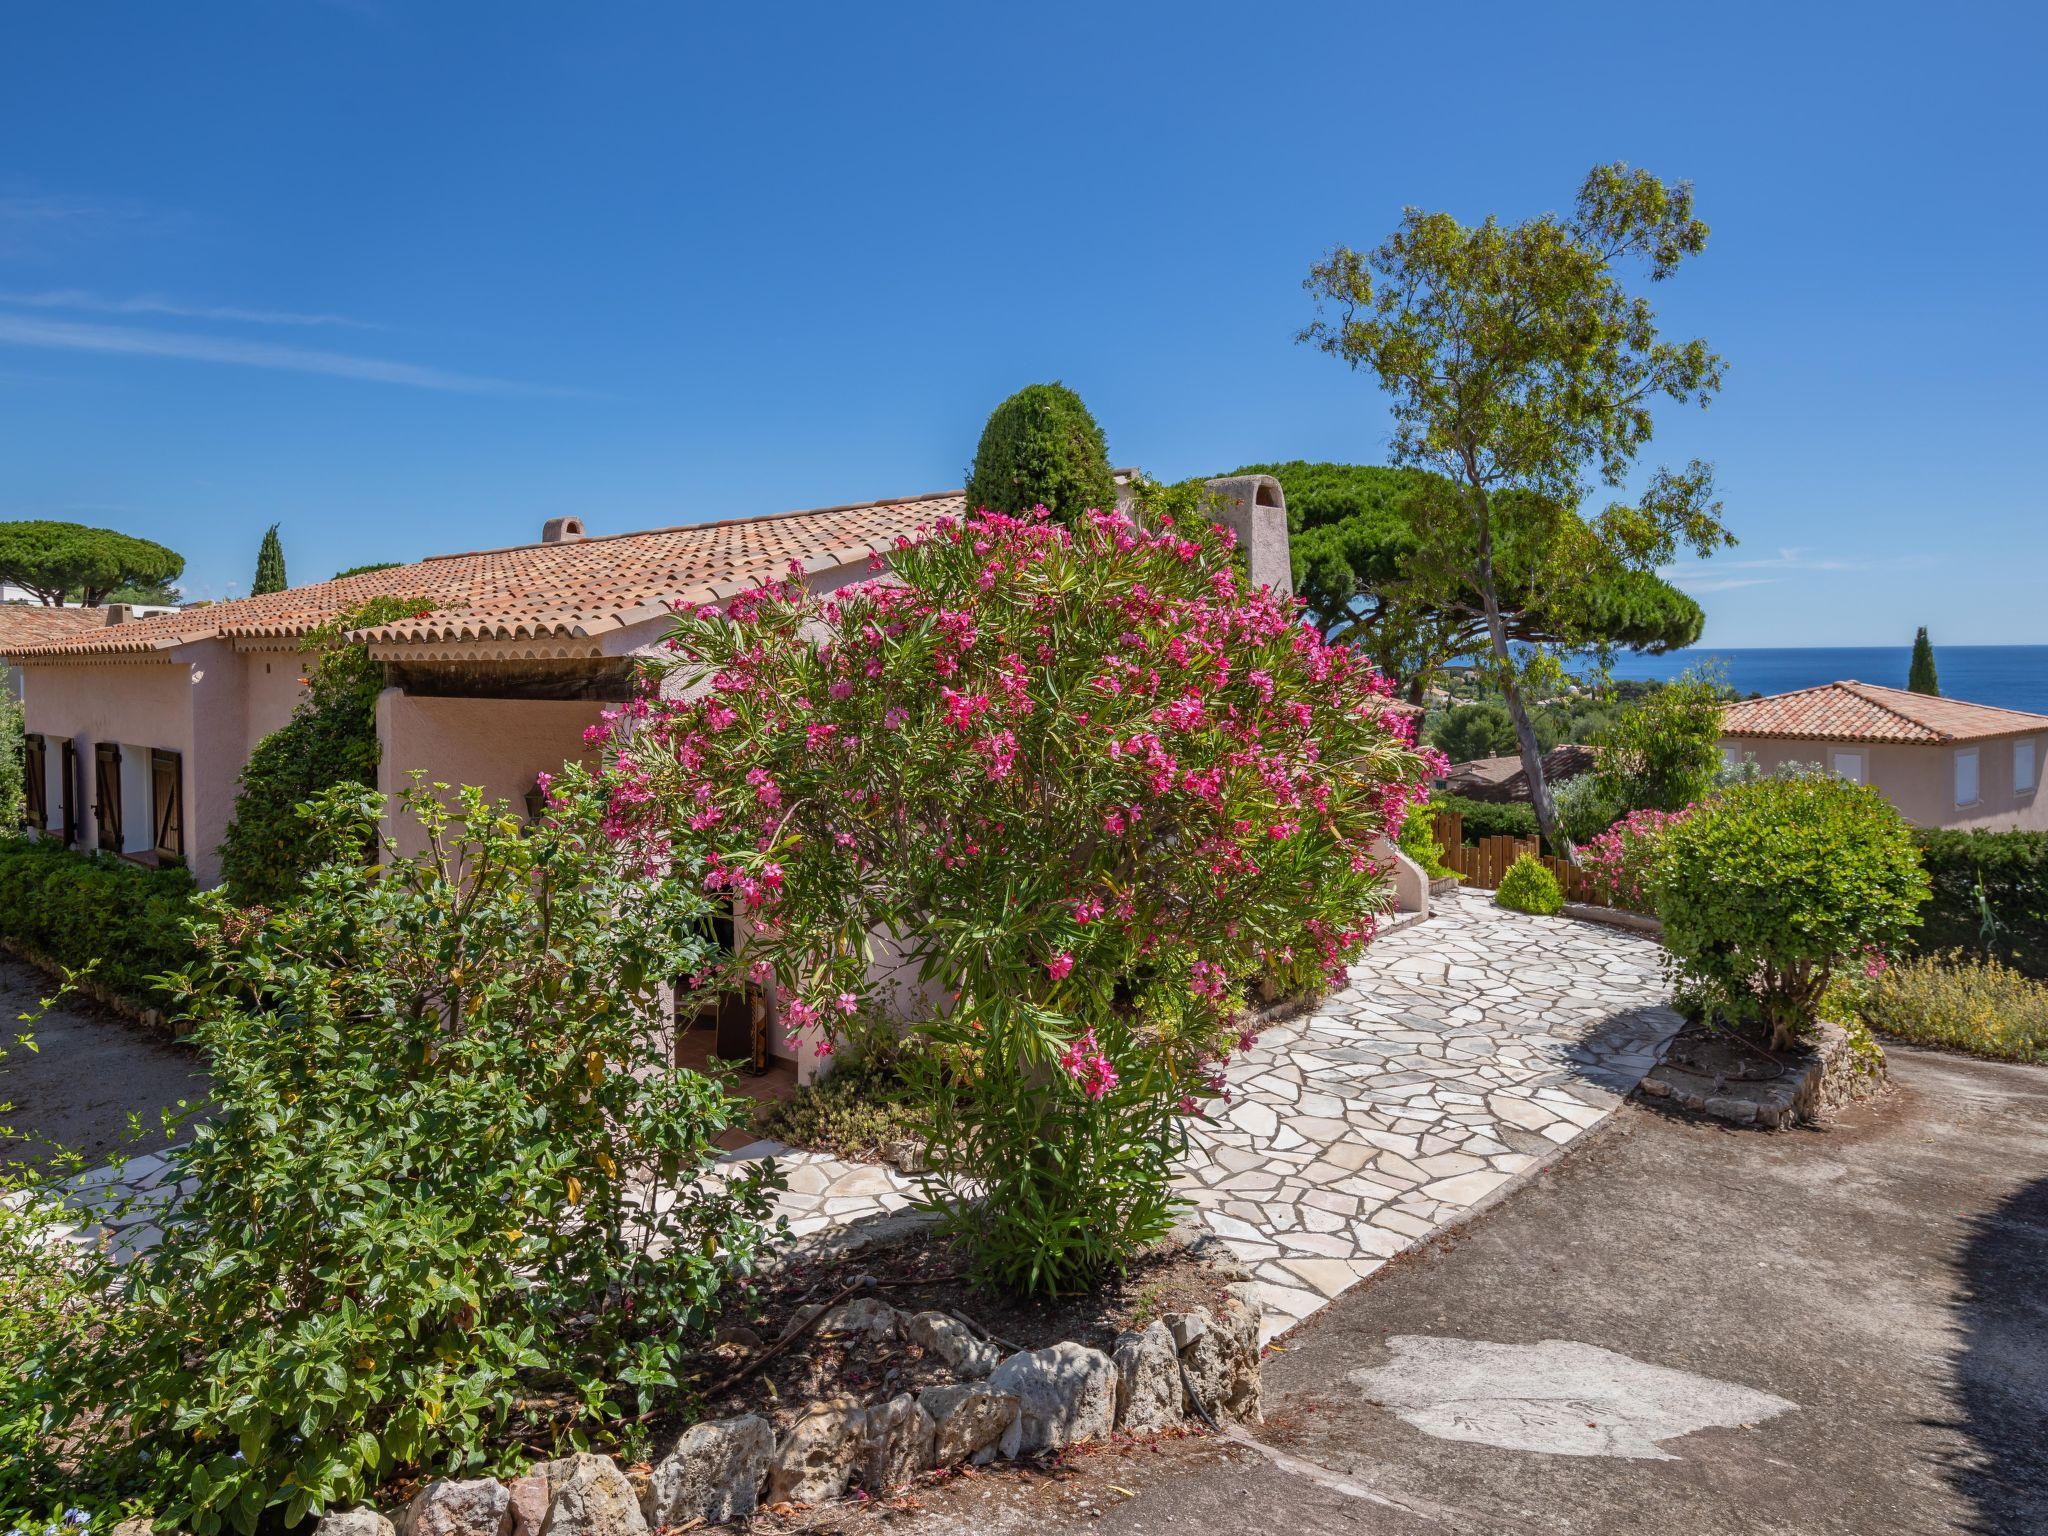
1087,784
1960,1002
1768,889
422,1230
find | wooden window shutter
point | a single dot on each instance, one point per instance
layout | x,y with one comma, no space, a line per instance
167,802
35,784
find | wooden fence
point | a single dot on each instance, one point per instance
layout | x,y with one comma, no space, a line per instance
1486,860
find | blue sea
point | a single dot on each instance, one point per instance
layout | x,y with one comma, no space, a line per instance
2010,676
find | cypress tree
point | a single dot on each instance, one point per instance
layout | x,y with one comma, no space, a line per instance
269,565
1921,679
1041,447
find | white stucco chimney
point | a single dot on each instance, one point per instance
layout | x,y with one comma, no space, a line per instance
561,530
1255,509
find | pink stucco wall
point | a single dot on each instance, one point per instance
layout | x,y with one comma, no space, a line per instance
499,744
1920,780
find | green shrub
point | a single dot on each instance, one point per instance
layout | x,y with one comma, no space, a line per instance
1487,818
1587,805
1418,840
125,921
13,747
1766,889
1529,886
330,740
447,1206
1041,448
864,1109
1990,896
1663,751
1960,1002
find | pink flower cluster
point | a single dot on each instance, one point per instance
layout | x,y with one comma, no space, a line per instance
1621,862
1084,1062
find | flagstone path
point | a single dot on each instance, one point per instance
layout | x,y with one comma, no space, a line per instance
1463,1050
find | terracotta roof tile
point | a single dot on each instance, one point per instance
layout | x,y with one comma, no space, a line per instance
1852,711
34,623
583,587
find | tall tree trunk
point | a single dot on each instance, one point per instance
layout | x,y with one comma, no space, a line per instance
1510,685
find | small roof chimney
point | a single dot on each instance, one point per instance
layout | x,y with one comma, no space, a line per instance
561,530
117,613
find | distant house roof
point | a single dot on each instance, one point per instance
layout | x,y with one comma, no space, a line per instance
1852,711
574,587
1502,779
34,623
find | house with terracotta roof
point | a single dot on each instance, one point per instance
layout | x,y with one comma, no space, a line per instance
139,727
1942,762
30,623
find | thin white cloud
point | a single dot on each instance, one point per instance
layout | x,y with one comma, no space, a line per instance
29,224
150,304
1721,583
77,336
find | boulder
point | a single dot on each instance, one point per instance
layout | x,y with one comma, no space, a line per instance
953,1342
475,1506
341,1522
968,1420
1065,1394
898,1440
589,1496
714,1474
862,1317
816,1459
1148,1390
1222,1356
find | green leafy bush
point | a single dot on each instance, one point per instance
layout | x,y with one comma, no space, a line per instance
1093,786
1529,886
1960,1002
126,922
1041,448
1586,806
445,1207
1990,896
1767,889
1418,840
331,739
13,748
1487,818
1663,751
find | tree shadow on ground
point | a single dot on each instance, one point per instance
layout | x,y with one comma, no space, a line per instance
2001,1365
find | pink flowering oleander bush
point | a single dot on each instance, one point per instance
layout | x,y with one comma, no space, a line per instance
1622,861
1080,780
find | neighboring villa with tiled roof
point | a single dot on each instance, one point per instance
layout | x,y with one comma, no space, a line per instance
1942,762
32,623
139,728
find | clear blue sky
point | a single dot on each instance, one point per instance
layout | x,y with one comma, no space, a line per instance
412,278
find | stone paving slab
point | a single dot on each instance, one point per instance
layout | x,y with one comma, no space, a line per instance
1463,1051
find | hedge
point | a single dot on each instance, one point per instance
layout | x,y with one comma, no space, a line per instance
74,908
2013,867
1487,818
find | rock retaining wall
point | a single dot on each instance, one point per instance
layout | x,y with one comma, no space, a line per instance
1185,1367
1835,1073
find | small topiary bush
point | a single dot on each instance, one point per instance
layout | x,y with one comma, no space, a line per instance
1528,886
330,740
1767,889
1041,448
126,922
446,1207
1960,1002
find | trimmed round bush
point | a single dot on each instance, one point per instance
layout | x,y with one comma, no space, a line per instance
1529,887
1766,889
1041,448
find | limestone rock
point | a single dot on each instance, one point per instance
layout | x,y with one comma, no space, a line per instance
816,1459
340,1522
1065,1394
589,1496
529,1504
969,1420
714,1473
141,1525
898,1441
863,1317
953,1342
1148,1391
1222,1358
476,1506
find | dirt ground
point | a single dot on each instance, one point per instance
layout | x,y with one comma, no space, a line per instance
1869,1297
89,1072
